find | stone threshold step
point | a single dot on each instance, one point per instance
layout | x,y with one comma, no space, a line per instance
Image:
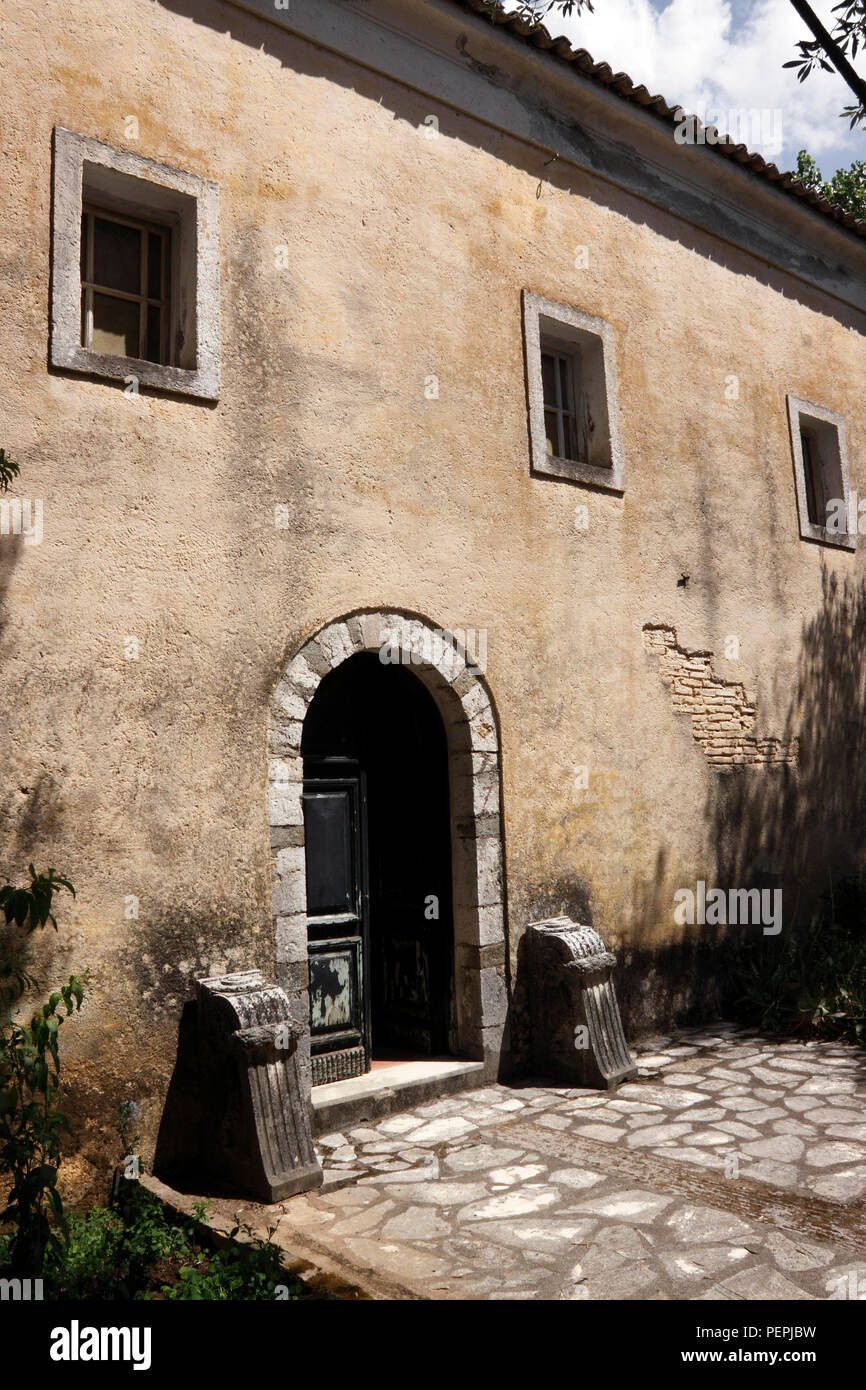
340,1105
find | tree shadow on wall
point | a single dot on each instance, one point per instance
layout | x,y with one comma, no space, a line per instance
30,811
799,828
660,986
803,828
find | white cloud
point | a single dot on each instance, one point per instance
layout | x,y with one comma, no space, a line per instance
719,57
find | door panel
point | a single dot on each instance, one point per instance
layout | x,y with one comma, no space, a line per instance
337,920
335,991
329,819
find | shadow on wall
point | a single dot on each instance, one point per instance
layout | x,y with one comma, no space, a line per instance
799,829
657,985
178,1158
29,810
563,897
805,827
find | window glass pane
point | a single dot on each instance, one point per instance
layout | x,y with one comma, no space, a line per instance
154,341
115,325
116,256
154,266
551,433
571,447
84,246
565,383
813,480
548,378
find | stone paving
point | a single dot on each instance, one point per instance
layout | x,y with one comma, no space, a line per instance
734,1167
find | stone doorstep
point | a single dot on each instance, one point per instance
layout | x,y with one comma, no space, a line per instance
323,1276
340,1105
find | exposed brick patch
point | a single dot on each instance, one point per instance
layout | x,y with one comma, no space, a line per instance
722,717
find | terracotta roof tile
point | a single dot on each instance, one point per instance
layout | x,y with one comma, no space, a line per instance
622,84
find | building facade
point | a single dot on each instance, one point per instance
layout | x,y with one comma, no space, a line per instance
426,465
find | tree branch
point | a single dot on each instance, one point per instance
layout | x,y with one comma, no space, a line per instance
832,50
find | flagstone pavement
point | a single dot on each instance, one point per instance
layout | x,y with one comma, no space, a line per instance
734,1167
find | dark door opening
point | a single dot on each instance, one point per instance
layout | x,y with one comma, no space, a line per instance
378,851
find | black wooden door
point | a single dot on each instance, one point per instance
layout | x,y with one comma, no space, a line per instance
337,918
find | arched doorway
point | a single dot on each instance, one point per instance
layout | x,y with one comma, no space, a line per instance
378,865
436,660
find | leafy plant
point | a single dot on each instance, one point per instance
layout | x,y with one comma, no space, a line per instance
201,1210
535,12
31,905
829,50
813,979
110,1251
86,1265
136,1251
31,1120
251,1270
8,470
148,1239
128,1116
847,187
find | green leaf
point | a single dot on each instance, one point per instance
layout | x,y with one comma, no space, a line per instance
8,470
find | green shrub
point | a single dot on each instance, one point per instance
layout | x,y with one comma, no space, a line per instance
251,1270
810,979
86,1267
148,1238
135,1251
31,1120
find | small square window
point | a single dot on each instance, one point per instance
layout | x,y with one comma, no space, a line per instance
820,456
572,390
135,269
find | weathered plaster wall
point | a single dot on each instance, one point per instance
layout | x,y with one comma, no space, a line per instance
406,259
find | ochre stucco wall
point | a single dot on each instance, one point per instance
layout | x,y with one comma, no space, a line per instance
407,257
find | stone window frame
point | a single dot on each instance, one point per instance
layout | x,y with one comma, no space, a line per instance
88,170
579,329
797,408
471,728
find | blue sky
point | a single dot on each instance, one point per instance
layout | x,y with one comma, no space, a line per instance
723,57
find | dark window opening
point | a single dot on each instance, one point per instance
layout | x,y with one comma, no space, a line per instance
812,478
561,392
822,469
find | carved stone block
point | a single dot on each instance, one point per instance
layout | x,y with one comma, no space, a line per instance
256,1134
577,1034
